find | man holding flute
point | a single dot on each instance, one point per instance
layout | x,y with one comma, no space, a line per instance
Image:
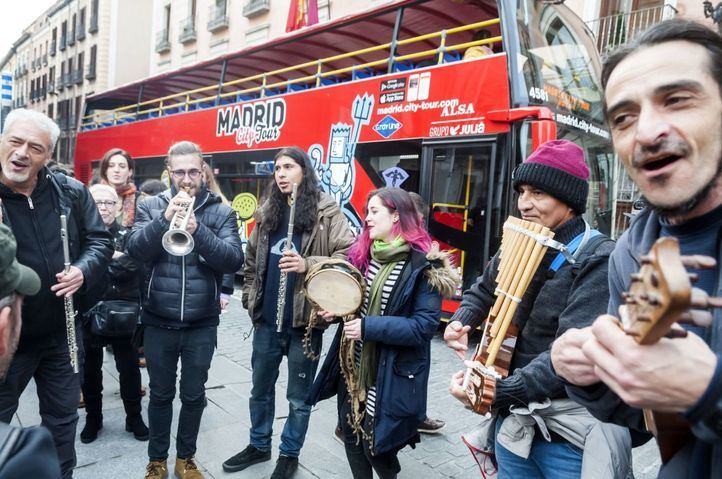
566,291
320,230
187,239
33,199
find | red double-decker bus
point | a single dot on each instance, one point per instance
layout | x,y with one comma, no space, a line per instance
440,97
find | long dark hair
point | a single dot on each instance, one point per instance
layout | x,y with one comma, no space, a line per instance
307,195
105,163
408,227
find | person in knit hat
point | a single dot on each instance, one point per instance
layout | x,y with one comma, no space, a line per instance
567,291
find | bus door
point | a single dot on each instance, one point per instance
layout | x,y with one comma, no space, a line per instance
459,188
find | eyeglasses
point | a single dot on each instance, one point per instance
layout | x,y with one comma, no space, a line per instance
106,203
180,174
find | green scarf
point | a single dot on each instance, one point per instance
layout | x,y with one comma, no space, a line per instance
388,254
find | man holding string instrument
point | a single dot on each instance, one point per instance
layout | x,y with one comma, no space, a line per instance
665,118
187,239
33,200
320,230
567,289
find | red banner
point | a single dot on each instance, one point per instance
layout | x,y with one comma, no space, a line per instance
302,13
445,101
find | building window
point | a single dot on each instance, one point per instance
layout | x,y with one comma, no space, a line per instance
91,65
81,25
73,31
93,27
63,35
257,35
324,10
188,25
162,43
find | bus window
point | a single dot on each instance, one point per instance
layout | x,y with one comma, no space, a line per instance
394,164
461,202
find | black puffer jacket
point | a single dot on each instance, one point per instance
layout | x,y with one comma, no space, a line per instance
182,291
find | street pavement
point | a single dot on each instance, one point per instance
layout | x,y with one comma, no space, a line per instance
225,425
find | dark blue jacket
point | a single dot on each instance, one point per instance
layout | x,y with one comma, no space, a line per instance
182,291
603,403
404,335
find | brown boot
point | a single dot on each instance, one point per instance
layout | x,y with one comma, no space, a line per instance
187,469
156,470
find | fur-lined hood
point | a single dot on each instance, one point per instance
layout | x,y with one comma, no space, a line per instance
442,274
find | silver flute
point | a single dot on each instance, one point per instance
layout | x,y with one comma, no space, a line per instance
283,280
69,307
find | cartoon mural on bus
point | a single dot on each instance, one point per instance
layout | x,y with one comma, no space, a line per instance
336,169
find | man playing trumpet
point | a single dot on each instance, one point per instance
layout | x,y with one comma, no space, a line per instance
181,299
564,293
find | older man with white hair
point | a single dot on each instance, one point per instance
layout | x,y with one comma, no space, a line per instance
33,198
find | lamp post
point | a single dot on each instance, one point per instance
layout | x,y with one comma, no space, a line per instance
715,13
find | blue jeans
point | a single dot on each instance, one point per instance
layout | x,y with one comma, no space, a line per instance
163,347
557,460
269,347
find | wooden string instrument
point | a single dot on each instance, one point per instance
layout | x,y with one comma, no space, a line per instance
523,246
661,294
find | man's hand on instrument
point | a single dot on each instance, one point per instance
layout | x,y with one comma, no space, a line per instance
178,203
192,224
670,375
456,385
68,283
292,262
569,361
456,336
328,317
352,329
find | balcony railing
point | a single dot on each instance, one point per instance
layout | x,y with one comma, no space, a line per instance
218,18
51,87
61,82
256,7
93,26
615,30
188,30
81,32
91,72
71,38
63,42
162,43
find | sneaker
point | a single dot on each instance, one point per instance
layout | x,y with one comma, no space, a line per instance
431,426
136,425
93,424
247,457
338,435
285,467
156,470
187,469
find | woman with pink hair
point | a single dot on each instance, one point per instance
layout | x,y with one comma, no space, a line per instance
405,279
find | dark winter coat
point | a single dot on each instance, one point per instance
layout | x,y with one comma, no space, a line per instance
91,246
554,302
330,237
603,403
183,291
404,336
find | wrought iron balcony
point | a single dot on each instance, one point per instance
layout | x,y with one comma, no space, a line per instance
91,72
63,42
81,32
77,76
60,83
218,18
615,30
256,7
188,30
162,43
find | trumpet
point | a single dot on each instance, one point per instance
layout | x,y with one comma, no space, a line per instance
177,241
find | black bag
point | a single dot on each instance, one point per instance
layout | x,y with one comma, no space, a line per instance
114,318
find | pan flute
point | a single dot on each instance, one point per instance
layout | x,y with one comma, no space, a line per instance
523,246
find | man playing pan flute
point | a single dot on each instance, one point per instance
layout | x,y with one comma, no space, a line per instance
566,291
666,123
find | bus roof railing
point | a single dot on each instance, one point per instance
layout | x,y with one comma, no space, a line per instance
183,101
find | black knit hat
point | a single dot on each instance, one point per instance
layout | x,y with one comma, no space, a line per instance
557,168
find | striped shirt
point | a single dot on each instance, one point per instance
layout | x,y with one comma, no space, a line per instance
388,287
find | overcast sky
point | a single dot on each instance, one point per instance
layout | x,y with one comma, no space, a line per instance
16,15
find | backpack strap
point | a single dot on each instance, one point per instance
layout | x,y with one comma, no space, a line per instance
9,436
577,248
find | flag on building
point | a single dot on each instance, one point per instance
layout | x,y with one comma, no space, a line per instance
6,88
302,13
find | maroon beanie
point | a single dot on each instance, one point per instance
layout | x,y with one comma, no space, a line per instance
558,168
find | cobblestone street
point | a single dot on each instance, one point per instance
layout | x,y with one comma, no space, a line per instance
224,430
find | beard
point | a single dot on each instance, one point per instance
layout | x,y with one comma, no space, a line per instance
684,207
